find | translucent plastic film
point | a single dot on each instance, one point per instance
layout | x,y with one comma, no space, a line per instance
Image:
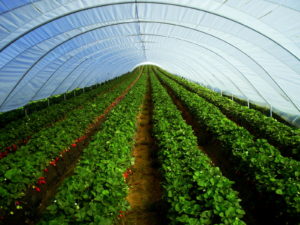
246,48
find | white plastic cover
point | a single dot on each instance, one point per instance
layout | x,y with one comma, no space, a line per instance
246,48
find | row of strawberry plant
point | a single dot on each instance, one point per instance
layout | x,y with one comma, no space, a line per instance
286,138
35,106
276,176
96,192
18,133
196,191
19,170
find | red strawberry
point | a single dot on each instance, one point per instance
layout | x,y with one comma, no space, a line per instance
37,189
73,145
14,146
125,175
41,182
46,170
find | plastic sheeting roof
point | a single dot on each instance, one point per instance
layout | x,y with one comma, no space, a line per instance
247,48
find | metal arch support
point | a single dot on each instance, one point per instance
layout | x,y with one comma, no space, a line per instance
211,73
78,68
66,77
146,2
104,61
172,37
144,22
100,56
237,87
113,24
71,57
149,35
201,46
53,73
143,47
223,58
192,59
60,45
45,54
84,70
79,75
251,59
89,74
75,70
247,80
139,28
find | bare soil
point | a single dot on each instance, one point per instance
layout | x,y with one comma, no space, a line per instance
145,192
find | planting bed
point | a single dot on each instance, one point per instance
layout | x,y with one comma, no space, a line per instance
275,177
149,148
286,138
19,185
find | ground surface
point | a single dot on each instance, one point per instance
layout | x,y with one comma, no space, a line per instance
145,191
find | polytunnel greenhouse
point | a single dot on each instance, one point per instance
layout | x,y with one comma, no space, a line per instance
149,112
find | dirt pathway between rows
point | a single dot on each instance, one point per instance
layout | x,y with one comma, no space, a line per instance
144,180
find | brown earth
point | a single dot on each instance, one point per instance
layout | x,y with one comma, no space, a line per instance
145,191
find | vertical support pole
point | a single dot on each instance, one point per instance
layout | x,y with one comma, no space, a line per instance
74,93
83,90
221,93
248,103
48,102
65,96
271,111
232,97
26,113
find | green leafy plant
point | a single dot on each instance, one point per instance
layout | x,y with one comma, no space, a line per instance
273,175
97,190
19,132
195,190
285,138
20,170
